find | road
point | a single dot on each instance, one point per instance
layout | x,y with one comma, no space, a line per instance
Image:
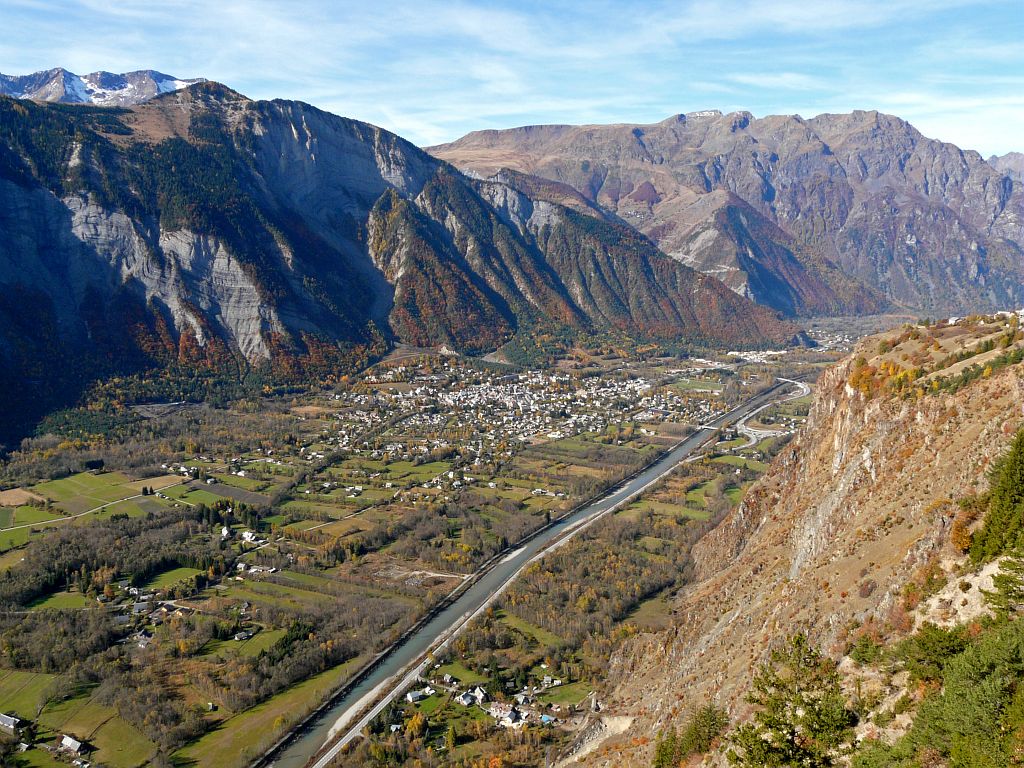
397,667
754,436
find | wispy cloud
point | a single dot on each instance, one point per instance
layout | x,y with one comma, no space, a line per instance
791,81
434,69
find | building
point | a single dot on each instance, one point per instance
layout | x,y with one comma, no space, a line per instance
413,696
479,694
10,724
71,745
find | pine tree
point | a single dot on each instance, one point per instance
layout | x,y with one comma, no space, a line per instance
1004,523
700,732
1008,595
801,719
666,751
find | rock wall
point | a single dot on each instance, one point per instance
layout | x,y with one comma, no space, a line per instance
826,538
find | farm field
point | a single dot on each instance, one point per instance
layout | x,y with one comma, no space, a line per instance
103,493
167,578
570,694
21,691
698,385
116,743
77,493
63,601
237,740
10,558
361,504
463,674
541,636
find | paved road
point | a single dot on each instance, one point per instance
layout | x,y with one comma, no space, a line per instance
398,667
754,436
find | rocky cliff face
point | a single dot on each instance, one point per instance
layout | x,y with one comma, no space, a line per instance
202,224
836,214
827,538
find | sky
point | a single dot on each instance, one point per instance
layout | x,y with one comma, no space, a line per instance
432,71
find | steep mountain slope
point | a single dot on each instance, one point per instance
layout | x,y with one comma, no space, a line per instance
101,88
1012,164
205,228
836,214
861,503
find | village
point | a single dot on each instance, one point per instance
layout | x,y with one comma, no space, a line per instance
371,501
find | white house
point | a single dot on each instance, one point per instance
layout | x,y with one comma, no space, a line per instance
9,724
71,744
413,696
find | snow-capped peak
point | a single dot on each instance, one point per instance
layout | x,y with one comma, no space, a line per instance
100,88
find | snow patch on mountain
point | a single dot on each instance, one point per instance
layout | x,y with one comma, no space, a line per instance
100,88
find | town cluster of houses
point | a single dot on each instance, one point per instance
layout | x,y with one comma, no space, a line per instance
506,407
517,712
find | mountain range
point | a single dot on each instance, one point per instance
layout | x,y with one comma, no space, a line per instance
101,88
180,223
838,214
202,228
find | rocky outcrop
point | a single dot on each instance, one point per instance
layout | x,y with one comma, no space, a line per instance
835,214
827,538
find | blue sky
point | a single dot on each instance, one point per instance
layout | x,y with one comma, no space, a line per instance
432,71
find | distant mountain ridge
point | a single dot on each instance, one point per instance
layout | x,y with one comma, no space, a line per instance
202,228
1012,164
101,88
838,214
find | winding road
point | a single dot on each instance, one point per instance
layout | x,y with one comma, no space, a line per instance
319,740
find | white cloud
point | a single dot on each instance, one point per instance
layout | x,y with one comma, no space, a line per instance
434,69
793,81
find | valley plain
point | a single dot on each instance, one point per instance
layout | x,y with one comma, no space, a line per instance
228,568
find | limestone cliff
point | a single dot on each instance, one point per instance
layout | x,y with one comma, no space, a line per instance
202,226
827,538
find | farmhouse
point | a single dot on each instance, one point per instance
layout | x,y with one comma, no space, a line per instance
413,696
10,724
506,716
71,745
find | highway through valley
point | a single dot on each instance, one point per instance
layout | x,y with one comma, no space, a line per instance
322,737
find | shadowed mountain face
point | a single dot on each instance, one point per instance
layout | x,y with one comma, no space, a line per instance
837,214
206,229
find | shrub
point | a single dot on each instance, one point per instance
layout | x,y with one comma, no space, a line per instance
925,653
866,650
